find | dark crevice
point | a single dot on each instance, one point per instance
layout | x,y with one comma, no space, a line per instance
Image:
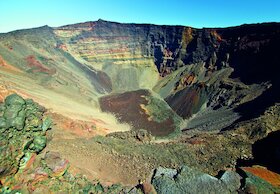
266,152
243,177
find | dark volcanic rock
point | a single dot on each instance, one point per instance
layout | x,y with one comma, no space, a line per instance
246,48
233,69
187,180
137,109
188,101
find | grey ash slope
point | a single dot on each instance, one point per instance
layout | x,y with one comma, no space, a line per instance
209,77
111,88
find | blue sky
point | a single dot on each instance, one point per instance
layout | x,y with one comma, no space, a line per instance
19,14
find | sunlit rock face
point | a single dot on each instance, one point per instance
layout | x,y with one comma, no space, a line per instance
208,77
125,99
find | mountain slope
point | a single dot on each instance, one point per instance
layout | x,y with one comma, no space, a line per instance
128,98
207,76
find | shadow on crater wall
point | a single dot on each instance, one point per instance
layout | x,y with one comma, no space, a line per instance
266,152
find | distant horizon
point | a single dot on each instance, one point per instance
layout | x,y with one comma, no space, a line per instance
136,24
27,14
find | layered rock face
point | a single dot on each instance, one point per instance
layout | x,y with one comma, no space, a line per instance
209,77
146,80
204,72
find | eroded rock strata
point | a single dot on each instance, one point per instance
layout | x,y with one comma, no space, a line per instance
139,96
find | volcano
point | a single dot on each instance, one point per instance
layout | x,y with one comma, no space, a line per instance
199,97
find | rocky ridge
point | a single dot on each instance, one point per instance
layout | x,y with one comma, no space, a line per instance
27,168
206,98
209,77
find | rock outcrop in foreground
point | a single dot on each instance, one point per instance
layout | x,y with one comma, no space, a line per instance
27,168
207,99
24,168
23,133
187,180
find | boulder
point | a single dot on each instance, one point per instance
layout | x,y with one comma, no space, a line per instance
17,122
14,99
187,180
38,144
56,164
12,111
3,123
47,123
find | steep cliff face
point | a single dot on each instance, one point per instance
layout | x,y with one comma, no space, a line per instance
209,77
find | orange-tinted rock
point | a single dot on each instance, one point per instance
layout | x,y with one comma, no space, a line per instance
62,47
269,176
37,66
4,64
148,188
216,35
195,141
188,80
39,175
30,161
4,92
